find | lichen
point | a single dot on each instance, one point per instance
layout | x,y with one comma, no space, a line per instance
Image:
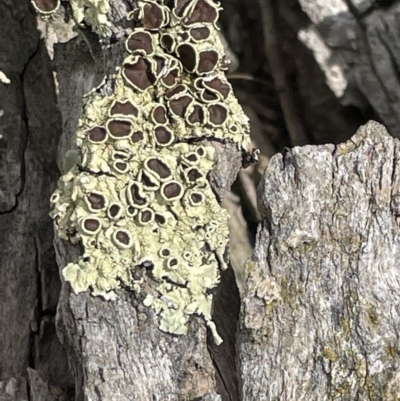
90,12
94,14
139,195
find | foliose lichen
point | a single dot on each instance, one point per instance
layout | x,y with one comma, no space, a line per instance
140,195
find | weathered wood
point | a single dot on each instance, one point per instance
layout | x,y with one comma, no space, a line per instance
320,316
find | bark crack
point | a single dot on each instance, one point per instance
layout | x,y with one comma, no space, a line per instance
25,139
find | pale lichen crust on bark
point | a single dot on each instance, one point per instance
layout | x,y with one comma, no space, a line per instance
140,194
89,12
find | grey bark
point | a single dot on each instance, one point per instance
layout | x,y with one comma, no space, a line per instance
320,309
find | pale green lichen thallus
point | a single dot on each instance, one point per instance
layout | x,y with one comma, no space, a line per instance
140,192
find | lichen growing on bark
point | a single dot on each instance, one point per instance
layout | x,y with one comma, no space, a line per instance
89,12
140,194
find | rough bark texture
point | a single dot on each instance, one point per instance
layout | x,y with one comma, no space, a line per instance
320,315
30,127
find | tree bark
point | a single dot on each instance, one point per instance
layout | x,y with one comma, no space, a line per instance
318,309
319,317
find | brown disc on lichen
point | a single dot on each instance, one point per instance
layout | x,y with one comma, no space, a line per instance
140,42
196,198
136,196
188,57
160,219
163,135
160,63
55,197
137,136
197,115
193,174
96,201
118,128
170,79
168,42
91,224
180,6
175,91
172,263
219,86
159,114
172,190
158,167
120,166
165,252
124,108
98,134
233,128
207,61
191,158
208,96
145,216
139,74
203,12
199,34
184,36
201,151
217,114
46,6
114,210
131,211
179,105
122,238
153,16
